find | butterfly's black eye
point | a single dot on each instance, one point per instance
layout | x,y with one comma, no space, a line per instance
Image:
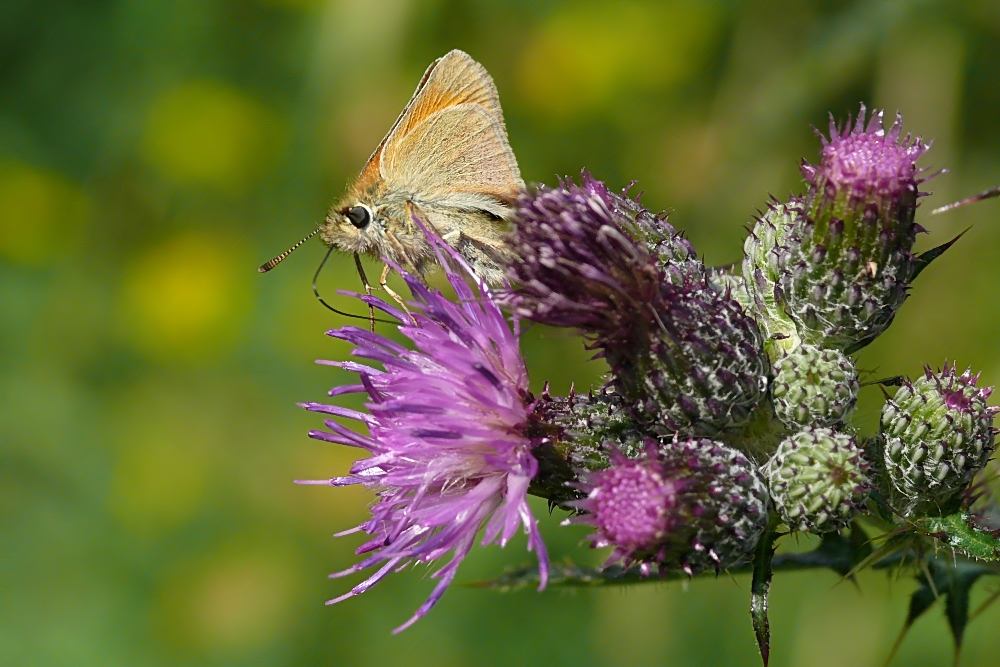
360,216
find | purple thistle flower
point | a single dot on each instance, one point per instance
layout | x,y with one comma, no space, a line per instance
632,504
446,423
684,355
865,165
693,505
578,266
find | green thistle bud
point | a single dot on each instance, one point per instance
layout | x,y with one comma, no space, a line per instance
814,387
761,273
818,480
936,434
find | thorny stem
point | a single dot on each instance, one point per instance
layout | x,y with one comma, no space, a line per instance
835,552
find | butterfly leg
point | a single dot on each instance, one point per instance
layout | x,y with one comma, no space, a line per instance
395,297
409,206
368,290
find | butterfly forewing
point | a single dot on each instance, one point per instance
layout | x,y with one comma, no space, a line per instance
459,149
454,78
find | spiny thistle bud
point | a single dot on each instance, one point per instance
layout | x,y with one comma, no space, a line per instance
818,480
694,505
840,258
937,433
814,387
685,357
705,370
762,250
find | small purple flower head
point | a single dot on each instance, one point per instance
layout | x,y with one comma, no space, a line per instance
867,165
632,504
692,505
449,455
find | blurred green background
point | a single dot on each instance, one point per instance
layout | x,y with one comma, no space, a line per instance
154,152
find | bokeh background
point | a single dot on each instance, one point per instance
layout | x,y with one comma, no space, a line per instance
154,152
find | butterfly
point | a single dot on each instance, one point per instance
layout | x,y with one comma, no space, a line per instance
446,162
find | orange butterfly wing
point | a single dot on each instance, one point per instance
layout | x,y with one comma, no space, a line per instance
454,78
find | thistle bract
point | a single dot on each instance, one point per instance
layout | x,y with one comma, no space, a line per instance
936,434
814,387
692,505
818,480
733,285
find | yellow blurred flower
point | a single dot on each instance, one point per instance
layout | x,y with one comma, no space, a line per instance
585,55
210,134
159,480
186,297
42,214
237,600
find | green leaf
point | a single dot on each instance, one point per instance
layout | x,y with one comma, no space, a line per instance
941,577
924,259
960,532
921,600
958,578
761,586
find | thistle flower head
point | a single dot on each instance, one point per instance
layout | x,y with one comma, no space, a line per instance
449,455
692,505
818,479
836,263
867,164
685,356
577,265
633,505
814,387
936,433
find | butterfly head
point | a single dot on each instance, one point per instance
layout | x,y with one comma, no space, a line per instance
356,227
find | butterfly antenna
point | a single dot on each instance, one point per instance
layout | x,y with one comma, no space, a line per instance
270,264
339,312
